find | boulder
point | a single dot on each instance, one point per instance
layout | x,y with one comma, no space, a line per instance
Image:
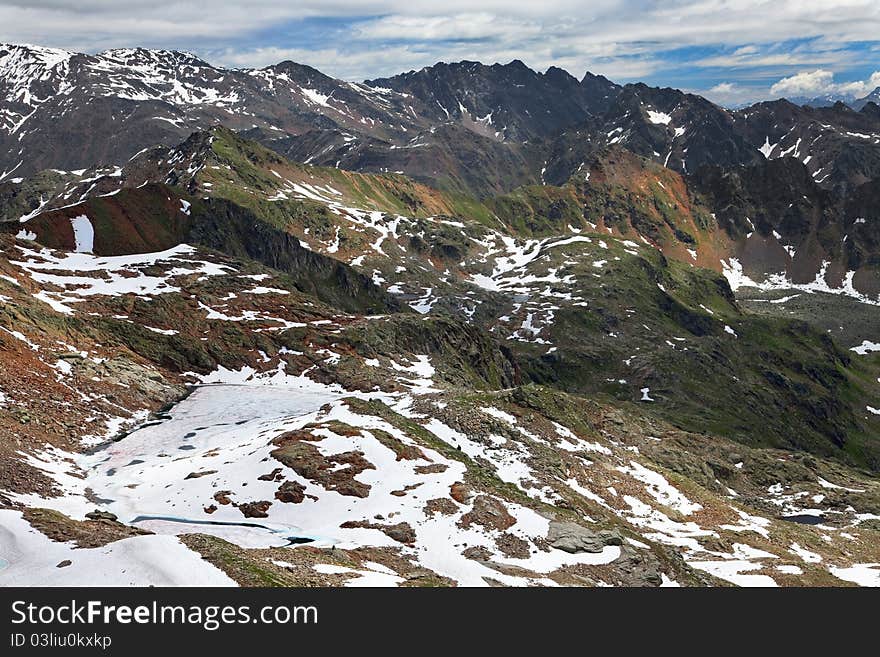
101,515
573,538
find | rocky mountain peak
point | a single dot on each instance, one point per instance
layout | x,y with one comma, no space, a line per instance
145,56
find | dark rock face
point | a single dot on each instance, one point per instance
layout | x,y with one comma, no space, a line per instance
103,109
101,515
401,532
786,222
504,102
871,108
489,513
685,131
290,492
120,101
838,145
296,452
234,230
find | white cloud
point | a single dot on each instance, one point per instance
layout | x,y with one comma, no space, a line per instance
480,25
723,88
806,83
732,94
724,93
820,82
860,89
753,58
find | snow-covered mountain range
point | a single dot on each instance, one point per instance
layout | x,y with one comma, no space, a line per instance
492,127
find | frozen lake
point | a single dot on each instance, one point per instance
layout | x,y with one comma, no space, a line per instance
147,477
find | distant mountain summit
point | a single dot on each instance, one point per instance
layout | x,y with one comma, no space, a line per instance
873,97
504,101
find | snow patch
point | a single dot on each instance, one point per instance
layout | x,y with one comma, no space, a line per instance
83,234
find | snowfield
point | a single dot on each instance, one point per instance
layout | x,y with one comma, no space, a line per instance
110,276
225,429
218,443
28,558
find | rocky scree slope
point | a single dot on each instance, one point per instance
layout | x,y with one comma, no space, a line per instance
593,285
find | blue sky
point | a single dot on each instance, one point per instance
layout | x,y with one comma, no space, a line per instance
732,51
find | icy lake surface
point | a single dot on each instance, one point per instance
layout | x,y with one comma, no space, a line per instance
217,427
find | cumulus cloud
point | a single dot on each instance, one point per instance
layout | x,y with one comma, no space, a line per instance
731,94
723,93
723,88
806,83
820,82
861,88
